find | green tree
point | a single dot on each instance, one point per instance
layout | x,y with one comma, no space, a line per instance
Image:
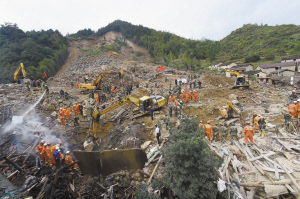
190,166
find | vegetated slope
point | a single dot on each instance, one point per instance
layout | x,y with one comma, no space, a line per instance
165,48
39,51
266,41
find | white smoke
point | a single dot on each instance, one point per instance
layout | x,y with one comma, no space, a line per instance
29,126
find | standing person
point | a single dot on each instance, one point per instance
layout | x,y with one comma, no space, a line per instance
77,85
158,124
293,109
233,132
208,129
48,155
175,81
202,128
216,131
67,113
151,112
157,133
256,120
262,123
69,161
200,83
249,132
61,117
47,89
224,133
97,98
39,149
170,109
80,109
56,156
84,112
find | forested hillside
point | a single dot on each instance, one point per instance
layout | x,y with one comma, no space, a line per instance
39,51
164,47
265,41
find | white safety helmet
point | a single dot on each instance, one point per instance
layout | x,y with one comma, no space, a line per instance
68,152
57,148
45,144
60,108
295,102
43,141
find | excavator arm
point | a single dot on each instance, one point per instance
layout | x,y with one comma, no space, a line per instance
96,83
120,103
237,110
233,72
18,70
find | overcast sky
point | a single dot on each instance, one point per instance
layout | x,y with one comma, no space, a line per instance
194,19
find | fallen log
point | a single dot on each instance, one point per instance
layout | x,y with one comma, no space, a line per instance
251,185
13,163
149,181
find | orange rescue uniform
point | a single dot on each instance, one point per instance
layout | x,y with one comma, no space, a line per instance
48,155
67,113
298,110
292,110
39,149
61,117
195,96
249,132
208,129
255,121
69,160
77,85
174,98
170,99
97,98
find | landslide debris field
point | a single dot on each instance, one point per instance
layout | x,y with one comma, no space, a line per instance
122,132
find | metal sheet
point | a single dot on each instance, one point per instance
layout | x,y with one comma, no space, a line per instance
110,161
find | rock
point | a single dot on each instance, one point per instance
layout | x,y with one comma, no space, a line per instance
233,97
88,145
54,114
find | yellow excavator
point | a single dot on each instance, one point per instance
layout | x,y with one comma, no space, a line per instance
144,103
240,81
97,83
18,70
155,101
232,110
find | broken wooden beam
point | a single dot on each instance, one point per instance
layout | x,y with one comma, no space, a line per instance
251,185
160,159
13,164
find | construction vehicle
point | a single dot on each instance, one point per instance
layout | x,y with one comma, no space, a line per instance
97,83
240,81
144,103
232,110
18,70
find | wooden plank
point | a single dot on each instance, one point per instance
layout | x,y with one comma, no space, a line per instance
159,161
284,144
262,156
248,184
290,176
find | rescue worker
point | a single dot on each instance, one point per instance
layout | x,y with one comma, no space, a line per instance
254,115
76,121
208,129
293,109
224,132
39,149
56,156
95,121
80,109
159,124
174,98
233,132
262,126
170,109
170,99
76,109
61,117
256,120
167,99
97,98
48,155
151,112
293,96
84,112
249,132
216,131
62,93
67,113
44,154
47,89
202,128
298,110
69,161
166,120
66,94
195,95
77,85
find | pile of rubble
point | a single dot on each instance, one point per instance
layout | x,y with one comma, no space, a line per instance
269,168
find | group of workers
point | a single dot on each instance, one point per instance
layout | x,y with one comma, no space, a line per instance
65,114
212,132
294,109
52,155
